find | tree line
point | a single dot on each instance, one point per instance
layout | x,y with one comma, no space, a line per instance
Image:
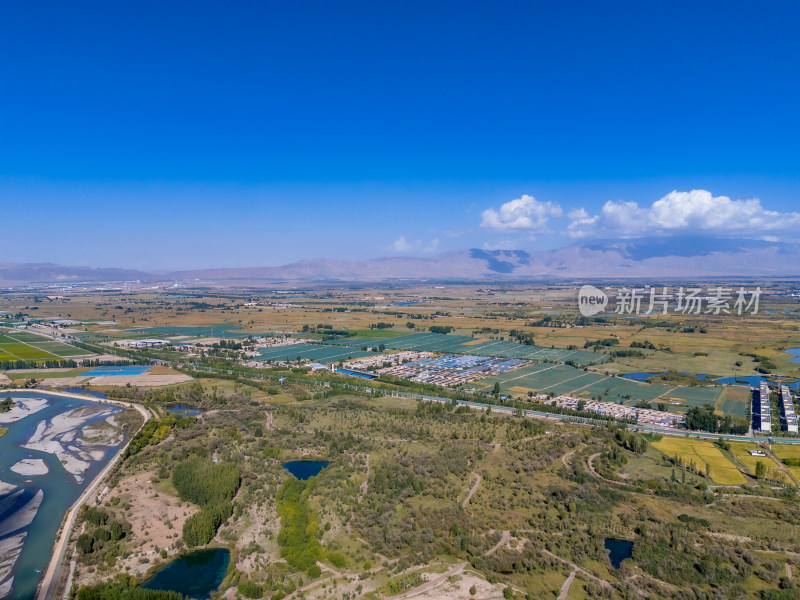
211,486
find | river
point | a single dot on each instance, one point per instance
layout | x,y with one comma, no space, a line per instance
43,480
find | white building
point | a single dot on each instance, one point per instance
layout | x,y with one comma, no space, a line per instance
761,407
787,408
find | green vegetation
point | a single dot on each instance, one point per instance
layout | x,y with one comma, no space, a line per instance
704,418
440,329
100,541
123,588
212,487
6,405
156,430
414,487
299,534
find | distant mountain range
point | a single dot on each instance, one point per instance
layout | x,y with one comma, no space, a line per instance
674,257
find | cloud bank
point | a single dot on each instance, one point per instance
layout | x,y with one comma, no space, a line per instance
697,211
677,213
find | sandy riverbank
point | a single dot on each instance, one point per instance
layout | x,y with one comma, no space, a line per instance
22,408
60,437
30,466
10,549
24,516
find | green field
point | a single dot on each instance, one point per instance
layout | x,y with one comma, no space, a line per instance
25,336
315,352
23,345
735,401
63,350
696,396
462,344
219,331
20,350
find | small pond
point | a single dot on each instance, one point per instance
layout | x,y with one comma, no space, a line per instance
618,550
304,469
196,575
796,353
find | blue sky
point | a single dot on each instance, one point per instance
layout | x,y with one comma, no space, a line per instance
193,134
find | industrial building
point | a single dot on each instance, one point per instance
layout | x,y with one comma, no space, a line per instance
787,410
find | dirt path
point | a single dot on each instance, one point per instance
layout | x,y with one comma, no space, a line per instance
473,489
590,464
430,584
307,586
390,561
364,484
576,568
789,571
725,496
565,588
503,541
568,455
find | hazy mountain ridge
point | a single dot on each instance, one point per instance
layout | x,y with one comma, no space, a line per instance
661,257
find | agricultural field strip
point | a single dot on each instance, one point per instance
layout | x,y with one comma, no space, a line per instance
739,450
46,344
736,407
50,345
311,352
703,453
566,381
604,378
9,346
487,345
571,386
526,374
24,336
434,342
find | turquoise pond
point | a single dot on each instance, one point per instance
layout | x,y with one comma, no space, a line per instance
305,469
59,489
197,575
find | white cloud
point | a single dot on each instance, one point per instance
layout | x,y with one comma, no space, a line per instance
500,245
401,245
525,213
432,246
696,211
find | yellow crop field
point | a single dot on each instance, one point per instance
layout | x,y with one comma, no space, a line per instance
782,451
740,451
786,451
702,453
